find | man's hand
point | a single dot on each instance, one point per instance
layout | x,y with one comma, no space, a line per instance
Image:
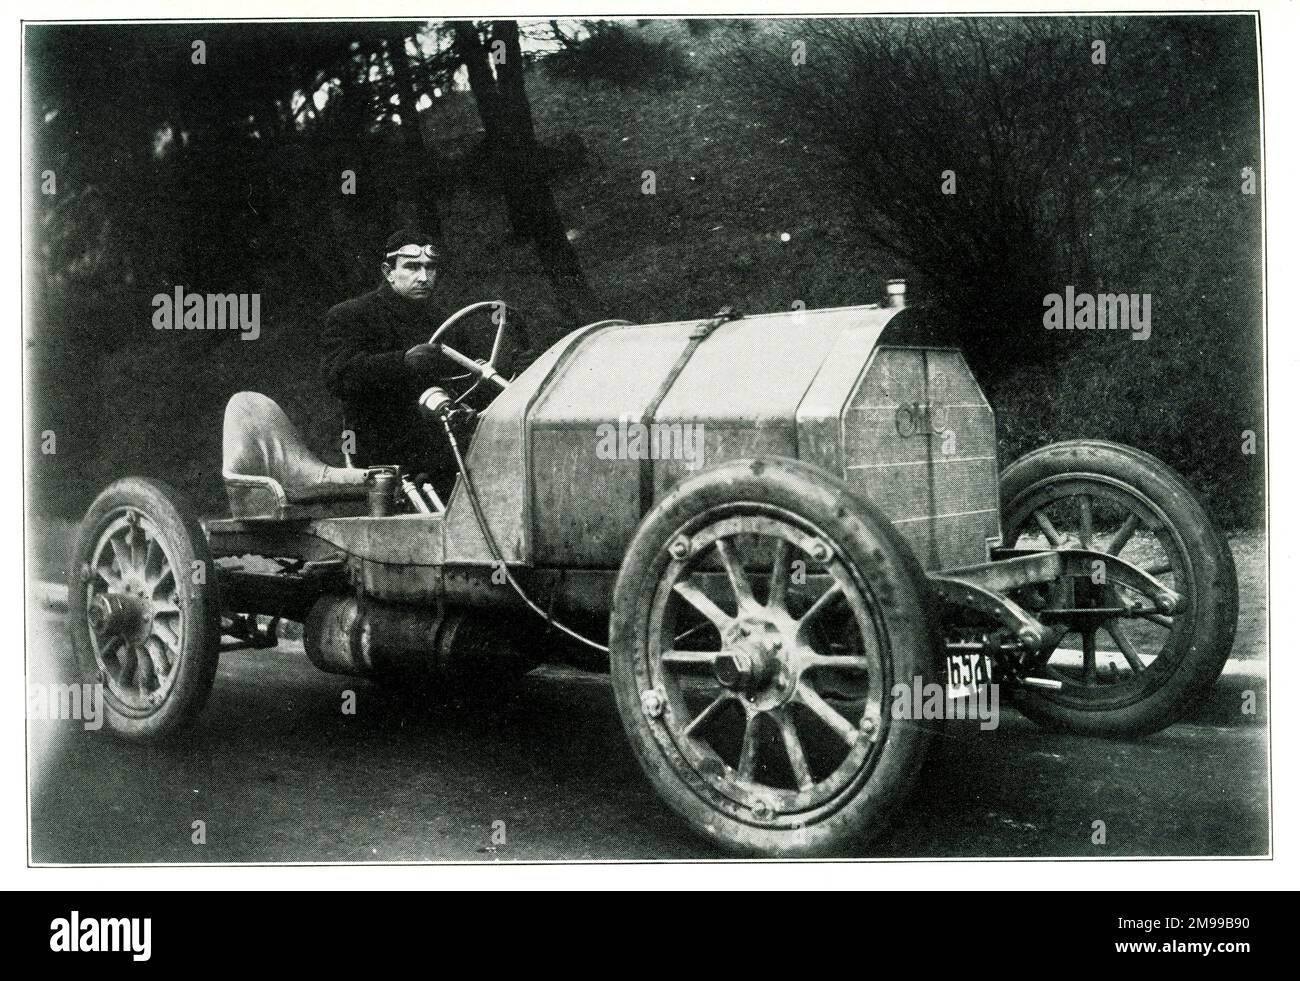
422,357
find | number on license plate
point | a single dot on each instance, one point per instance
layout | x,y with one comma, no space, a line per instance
966,673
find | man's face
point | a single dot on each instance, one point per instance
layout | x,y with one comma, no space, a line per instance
412,278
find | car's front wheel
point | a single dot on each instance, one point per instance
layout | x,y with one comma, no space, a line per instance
761,619
1127,675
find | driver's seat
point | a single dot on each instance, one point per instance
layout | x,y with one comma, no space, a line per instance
269,471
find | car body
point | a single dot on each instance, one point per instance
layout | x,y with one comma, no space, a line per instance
812,496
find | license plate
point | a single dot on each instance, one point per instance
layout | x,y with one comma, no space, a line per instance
966,673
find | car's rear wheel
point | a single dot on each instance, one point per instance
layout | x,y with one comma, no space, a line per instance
1126,676
761,618
143,610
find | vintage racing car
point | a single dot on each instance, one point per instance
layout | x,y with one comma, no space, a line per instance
784,520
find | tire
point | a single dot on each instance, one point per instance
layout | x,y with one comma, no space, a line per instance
139,623
860,596
1177,543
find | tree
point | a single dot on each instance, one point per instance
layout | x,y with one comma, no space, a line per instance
495,65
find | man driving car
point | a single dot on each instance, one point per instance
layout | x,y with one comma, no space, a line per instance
377,363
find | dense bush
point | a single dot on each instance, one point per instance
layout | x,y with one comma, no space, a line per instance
988,155
621,56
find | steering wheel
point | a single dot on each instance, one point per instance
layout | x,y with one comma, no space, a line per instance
480,370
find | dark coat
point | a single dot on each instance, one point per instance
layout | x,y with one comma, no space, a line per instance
364,341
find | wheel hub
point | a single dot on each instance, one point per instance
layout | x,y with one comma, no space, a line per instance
753,662
120,614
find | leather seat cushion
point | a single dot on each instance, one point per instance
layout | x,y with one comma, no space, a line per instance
258,440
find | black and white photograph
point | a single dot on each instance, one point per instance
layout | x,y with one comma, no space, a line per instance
590,438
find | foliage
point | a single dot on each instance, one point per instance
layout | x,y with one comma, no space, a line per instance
610,53
983,154
759,205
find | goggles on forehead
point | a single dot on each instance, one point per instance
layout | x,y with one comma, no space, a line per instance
415,252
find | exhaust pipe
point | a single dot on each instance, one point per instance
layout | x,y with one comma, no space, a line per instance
343,635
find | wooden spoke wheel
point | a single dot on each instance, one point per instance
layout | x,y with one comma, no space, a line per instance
762,616
143,610
1121,674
